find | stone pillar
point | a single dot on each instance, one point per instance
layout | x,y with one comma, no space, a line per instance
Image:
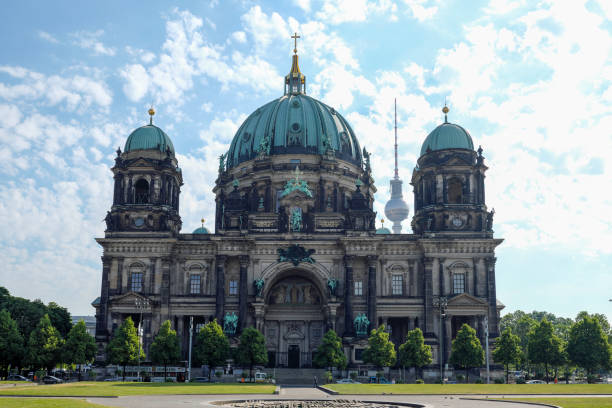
348,285
428,297
243,291
165,289
448,337
475,262
151,284
119,276
492,297
372,262
101,316
220,295
441,288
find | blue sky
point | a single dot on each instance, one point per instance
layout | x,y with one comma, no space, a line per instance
531,81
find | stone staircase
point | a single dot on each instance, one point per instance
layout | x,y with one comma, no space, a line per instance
297,376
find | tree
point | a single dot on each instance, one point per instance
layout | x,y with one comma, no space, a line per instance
80,347
165,349
60,318
603,321
380,351
123,347
414,352
330,352
212,346
466,351
11,341
252,349
544,346
507,350
44,346
588,346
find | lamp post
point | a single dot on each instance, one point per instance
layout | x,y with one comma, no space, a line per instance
141,304
441,302
190,343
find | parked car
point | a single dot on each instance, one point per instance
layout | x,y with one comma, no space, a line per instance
16,377
49,379
201,379
535,382
347,381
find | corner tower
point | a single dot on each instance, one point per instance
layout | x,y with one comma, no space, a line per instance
147,185
448,181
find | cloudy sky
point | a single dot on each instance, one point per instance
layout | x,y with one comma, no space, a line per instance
531,81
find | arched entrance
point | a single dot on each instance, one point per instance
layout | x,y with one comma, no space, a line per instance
294,320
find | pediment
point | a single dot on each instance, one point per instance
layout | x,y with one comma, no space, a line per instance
465,299
129,299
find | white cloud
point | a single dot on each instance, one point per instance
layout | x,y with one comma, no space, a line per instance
47,37
421,9
342,11
303,4
264,28
90,40
144,55
136,82
239,36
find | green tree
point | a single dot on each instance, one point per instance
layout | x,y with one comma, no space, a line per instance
588,345
330,353
466,351
603,322
507,350
545,347
80,347
123,347
414,352
380,351
45,345
60,318
165,349
252,349
212,346
521,325
11,341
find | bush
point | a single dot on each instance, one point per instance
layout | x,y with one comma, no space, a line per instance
460,377
499,381
328,376
591,379
419,381
478,381
353,375
520,380
218,374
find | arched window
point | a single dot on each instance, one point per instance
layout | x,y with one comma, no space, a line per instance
136,277
142,191
458,283
455,191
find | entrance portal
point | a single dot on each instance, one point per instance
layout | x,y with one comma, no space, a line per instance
293,358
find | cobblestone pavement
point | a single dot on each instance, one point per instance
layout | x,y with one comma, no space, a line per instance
299,393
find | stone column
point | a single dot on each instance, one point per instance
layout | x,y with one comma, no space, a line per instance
428,297
119,276
101,317
441,288
372,262
151,284
165,289
220,295
492,297
348,285
243,291
475,262
448,337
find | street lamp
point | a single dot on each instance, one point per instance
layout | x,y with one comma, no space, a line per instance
486,329
190,344
141,304
441,302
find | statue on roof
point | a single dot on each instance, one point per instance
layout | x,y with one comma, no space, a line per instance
296,184
222,162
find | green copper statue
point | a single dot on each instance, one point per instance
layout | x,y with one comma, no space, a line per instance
230,323
361,324
296,220
222,162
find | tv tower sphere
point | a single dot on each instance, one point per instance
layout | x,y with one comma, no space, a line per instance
396,208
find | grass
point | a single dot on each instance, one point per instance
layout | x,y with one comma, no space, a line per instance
472,388
112,389
601,402
46,403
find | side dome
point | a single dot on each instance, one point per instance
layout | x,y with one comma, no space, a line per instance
383,231
200,230
447,136
294,124
149,137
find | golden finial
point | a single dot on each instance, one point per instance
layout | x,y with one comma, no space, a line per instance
445,111
202,220
382,222
295,36
151,113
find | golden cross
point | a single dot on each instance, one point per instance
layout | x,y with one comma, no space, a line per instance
295,37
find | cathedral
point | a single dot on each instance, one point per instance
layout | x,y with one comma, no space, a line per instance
295,250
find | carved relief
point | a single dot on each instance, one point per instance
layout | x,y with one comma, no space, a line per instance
294,291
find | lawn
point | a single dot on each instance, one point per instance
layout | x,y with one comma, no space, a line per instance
603,402
472,388
112,389
46,403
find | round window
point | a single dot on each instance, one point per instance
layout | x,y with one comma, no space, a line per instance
295,127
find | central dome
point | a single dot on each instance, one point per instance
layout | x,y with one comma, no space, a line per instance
294,124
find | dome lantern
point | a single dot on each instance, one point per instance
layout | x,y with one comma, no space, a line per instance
295,81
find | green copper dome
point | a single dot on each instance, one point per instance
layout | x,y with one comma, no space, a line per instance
294,124
200,230
447,136
148,137
383,230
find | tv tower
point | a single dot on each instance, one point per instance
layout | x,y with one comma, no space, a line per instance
396,208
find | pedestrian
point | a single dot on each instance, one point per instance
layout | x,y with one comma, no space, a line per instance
315,381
